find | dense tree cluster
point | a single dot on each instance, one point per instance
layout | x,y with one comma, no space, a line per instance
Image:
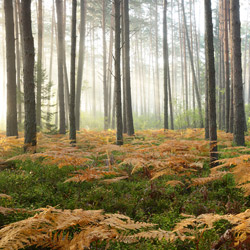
123,66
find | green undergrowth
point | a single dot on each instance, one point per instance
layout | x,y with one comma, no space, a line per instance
33,185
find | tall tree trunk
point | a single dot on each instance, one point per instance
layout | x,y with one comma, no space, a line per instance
93,72
39,66
192,67
226,58
206,106
72,134
129,112
60,53
158,109
80,61
165,62
105,89
28,77
124,115
210,75
182,67
65,71
239,121
119,135
186,79
110,66
11,122
249,74
3,60
51,63
18,67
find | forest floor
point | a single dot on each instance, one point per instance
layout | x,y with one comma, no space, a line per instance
157,177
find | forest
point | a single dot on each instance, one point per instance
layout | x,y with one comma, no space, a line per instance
124,124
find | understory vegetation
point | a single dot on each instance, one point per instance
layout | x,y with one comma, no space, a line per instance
93,195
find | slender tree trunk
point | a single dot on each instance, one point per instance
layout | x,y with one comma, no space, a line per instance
192,67
28,77
249,74
129,112
11,122
165,62
158,109
3,60
186,79
18,67
239,121
119,135
124,115
93,73
220,89
72,134
80,62
51,63
39,66
226,58
60,53
210,75
65,71
110,66
105,88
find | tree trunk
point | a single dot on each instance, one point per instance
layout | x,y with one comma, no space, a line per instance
105,89
165,62
72,134
186,79
39,66
128,102
119,135
93,72
210,75
249,75
110,66
80,62
124,115
239,121
157,87
60,53
51,63
192,67
226,58
18,67
11,122
65,71
28,77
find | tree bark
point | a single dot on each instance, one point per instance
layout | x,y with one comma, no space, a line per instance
210,75
39,66
80,61
239,121
72,133
128,102
51,63
165,62
93,72
110,66
104,48
60,61
157,86
226,58
11,122
119,135
18,66
28,77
